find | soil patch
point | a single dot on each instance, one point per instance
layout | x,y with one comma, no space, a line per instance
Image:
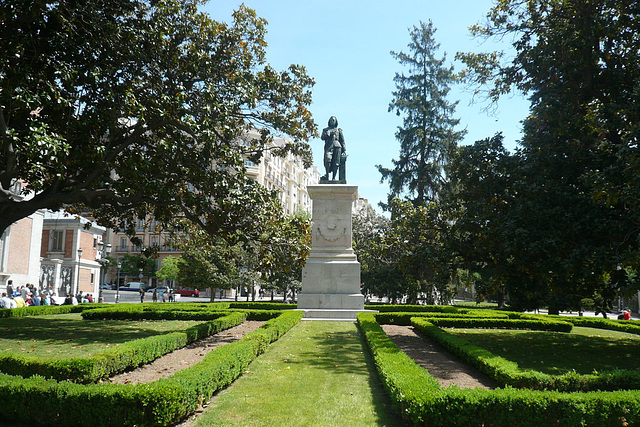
189,355
444,366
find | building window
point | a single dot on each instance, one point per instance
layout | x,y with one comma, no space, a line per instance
122,247
57,241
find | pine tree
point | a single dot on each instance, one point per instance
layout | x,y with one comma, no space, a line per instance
427,136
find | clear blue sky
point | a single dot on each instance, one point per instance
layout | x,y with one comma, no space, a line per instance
345,46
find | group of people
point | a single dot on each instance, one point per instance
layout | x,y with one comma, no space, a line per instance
28,295
161,296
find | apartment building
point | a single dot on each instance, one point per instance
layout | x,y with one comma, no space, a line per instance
70,255
20,252
20,247
287,176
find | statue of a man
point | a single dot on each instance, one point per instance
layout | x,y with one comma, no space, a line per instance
334,150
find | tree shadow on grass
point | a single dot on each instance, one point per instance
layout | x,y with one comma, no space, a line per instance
343,352
556,353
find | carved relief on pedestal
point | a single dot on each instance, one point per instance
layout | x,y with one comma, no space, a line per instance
332,228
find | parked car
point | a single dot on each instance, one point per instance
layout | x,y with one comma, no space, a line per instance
188,292
132,286
106,286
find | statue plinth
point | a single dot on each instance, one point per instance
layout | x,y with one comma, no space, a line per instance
331,277
326,181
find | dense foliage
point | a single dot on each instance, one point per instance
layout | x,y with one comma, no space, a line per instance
556,222
130,108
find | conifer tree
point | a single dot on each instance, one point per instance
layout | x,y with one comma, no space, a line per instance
427,136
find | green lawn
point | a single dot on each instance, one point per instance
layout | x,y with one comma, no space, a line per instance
67,335
584,350
318,374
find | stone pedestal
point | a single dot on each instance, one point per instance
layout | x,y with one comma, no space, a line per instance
331,277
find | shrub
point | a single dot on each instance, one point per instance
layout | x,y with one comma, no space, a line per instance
428,404
508,372
163,402
117,359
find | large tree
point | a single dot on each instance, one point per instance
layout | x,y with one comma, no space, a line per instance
126,108
284,250
482,232
379,275
579,63
405,258
427,135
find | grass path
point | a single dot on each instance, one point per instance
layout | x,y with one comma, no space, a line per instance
318,374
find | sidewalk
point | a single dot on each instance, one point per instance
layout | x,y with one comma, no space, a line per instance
611,316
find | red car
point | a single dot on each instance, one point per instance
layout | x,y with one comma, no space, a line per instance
188,292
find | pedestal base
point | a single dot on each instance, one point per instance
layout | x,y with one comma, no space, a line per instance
331,301
331,315
331,277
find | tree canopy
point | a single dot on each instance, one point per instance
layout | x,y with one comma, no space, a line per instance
572,221
127,108
556,222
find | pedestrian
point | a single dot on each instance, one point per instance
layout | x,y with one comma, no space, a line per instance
5,301
626,315
155,295
10,288
13,303
20,302
141,294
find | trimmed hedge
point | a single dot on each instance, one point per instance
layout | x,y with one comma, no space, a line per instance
163,402
120,314
536,325
404,319
509,373
417,308
629,326
404,381
114,360
139,312
432,405
44,310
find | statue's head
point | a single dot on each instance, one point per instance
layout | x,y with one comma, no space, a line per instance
333,122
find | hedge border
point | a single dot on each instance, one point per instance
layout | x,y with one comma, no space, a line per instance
118,359
163,402
429,405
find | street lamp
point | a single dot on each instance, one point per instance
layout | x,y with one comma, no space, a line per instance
103,255
78,273
118,281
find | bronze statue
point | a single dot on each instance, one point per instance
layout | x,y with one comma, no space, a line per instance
335,155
